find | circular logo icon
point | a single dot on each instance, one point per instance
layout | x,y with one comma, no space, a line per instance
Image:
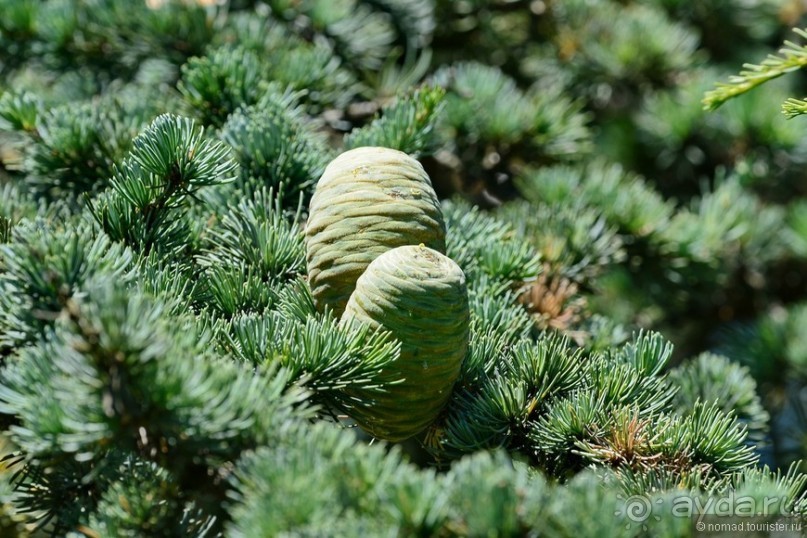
637,510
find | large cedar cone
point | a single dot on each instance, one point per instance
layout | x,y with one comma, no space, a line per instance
368,201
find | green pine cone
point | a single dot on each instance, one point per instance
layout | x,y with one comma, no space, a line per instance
368,201
419,295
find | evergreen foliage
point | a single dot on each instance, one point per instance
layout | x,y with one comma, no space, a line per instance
634,266
276,147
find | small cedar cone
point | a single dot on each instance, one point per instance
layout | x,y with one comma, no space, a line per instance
420,296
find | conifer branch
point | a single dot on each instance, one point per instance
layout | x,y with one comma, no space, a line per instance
792,57
169,162
341,366
19,112
794,107
408,125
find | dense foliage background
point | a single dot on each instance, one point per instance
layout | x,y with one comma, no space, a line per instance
637,265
